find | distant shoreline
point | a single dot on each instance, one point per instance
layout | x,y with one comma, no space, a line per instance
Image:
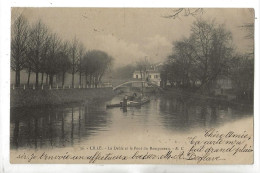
38,97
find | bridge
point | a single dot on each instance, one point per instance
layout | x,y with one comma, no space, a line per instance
140,81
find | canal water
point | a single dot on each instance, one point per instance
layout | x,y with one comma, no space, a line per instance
74,125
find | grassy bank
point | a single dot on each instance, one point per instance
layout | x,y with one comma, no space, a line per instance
30,97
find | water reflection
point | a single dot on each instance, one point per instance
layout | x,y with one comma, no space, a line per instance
185,115
74,124
50,127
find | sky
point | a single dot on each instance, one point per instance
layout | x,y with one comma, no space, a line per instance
131,34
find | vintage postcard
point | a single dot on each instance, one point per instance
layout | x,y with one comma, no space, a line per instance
132,86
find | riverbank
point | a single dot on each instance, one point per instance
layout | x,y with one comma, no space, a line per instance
196,96
37,97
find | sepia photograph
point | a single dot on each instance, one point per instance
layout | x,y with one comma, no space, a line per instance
132,85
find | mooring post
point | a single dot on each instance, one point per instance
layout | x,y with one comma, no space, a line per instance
33,87
23,87
13,86
69,86
50,87
57,86
42,86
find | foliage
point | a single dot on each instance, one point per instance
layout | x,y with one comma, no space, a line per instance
19,49
94,64
242,76
38,50
197,61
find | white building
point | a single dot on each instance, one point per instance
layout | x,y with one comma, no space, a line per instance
150,75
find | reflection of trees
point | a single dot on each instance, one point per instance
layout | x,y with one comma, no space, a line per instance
28,131
185,114
55,127
95,118
50,132
175,114
35,127
72,125
203,114
35,131
213,114
79,128
59,127
16,133
62,128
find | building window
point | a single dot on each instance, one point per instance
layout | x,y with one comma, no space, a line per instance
155,76
136,76
150,76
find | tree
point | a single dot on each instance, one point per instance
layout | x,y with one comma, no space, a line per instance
242,76
19,43
81,53
54,58
64,60
27,66
199,60
95,63
212,47
74,56
249,35
44,56
38,37
142,66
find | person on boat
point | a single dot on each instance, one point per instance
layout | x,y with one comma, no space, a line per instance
133,97
125,101
139,98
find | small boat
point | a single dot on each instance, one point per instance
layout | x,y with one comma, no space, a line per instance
130,103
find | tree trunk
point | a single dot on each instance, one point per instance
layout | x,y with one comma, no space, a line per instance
72,82
17,78
36,79
73,70
47,79
90,80
96,81
19,81
51,80
80,78
63,78
29,75
42,78
86,79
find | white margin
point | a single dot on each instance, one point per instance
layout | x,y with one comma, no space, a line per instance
5,13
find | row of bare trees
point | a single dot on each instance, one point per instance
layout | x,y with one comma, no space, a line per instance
35,49
205,56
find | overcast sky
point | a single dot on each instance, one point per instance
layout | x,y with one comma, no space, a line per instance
131,34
